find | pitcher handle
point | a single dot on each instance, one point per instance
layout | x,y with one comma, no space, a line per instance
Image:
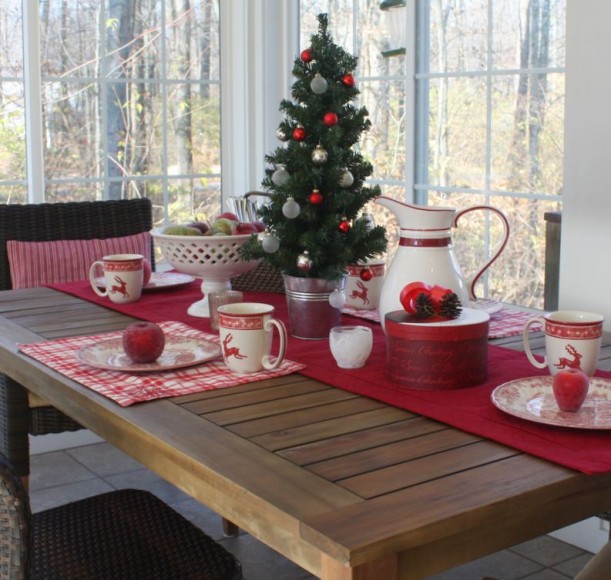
498,250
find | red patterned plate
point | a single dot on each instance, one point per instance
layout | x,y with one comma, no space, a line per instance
179,352
533,399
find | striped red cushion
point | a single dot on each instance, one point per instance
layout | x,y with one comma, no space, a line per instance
39,263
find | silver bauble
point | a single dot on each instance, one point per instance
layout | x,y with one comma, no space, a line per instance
319,84
346,179
280,176
304,262
282,136
291,209
270,244
319,155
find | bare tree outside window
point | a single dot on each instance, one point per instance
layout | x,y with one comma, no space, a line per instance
130,102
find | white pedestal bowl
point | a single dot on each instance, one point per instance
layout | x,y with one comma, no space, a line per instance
215,259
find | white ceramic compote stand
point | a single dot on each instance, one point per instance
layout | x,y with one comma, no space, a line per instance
215,259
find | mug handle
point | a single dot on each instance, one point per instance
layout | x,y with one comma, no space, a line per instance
529,354
92,277
267,364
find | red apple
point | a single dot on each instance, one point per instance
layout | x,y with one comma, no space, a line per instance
143,342
260,226
570,389
244,228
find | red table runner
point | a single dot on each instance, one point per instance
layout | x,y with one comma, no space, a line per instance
468,409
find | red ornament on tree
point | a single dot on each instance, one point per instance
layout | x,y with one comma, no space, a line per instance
344,226
299,133
315,197
366,274
306,55
348,80
330,119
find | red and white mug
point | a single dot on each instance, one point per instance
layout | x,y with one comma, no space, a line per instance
572,340
246,331
123,277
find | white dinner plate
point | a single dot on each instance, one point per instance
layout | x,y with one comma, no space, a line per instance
158,281
179,352
533,399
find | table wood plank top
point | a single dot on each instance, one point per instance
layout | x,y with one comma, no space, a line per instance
345,486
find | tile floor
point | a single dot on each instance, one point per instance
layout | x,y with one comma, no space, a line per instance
61,476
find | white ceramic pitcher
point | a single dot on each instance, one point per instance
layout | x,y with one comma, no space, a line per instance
425,252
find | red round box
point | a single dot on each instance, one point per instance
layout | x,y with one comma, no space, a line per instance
450,354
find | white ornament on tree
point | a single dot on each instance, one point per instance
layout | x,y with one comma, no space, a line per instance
270,243
346,179
319,84
280,176
337,298
291,209
282,136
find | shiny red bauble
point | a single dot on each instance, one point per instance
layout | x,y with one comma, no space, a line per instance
315,197
330,119
306,55
366,274
299,133
348,80
344,226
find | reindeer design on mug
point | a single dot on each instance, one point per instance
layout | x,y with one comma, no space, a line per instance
121,287
567,363
229,351
360,294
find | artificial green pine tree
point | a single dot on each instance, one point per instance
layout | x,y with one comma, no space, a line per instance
315,225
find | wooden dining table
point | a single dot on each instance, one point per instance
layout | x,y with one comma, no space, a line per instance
345,486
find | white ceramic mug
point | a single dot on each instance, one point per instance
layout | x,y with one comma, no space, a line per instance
246,331
123,276
364,284
572,340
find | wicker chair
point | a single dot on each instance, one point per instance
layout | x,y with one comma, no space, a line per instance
50,222
117,535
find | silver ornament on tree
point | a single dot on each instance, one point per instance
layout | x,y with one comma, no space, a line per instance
282,136
337,298
346,179
370,223
319,155
319,84
280,176
270,243
291,209
304,262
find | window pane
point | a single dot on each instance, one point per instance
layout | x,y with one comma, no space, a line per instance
12,119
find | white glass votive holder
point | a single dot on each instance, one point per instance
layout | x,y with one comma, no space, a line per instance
351,345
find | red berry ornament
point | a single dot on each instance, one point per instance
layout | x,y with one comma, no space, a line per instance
315,197
306,55
366,274
330,119
348,80
344,226
299,133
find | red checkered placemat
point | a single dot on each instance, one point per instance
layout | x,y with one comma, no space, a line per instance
505,322
129,388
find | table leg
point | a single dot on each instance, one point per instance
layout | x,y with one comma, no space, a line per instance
230,529
387,568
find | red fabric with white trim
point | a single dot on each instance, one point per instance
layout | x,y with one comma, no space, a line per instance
39,263
129,388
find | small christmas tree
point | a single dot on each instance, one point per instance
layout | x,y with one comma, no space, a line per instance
315,226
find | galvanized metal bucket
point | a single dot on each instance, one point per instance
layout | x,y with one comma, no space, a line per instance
310,315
